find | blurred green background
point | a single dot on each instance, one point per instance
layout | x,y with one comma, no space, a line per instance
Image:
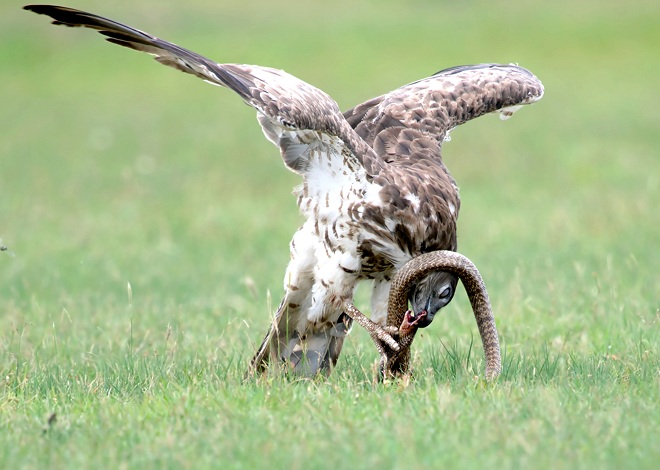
115,170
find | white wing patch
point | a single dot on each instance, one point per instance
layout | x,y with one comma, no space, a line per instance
414,201
506,113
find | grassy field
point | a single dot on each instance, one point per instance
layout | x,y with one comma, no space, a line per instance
147,223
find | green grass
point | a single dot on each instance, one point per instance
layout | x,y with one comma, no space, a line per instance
115,171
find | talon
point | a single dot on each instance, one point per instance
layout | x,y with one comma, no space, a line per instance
387,338
391,329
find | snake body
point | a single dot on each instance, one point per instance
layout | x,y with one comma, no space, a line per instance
396,362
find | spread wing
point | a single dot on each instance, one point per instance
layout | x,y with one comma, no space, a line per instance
406,128
415,119
406,125
293,114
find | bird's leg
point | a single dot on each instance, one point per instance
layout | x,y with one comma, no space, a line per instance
379,334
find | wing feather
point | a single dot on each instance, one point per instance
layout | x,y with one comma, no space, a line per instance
406,128
293,114
307,124
437,104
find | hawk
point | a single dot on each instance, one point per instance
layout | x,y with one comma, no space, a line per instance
375,191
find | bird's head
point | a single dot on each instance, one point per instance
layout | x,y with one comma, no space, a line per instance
431,293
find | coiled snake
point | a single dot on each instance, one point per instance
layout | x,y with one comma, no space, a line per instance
397,362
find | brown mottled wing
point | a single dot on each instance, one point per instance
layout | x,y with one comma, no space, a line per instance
406,128
292,113
435,105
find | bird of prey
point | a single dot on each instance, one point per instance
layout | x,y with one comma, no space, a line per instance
375,191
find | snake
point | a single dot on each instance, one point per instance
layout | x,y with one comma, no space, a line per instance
395,363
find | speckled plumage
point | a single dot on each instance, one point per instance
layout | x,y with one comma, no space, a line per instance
375,192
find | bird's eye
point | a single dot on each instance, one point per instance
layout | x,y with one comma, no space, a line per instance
445,293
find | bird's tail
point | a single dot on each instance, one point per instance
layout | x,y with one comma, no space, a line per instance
303,355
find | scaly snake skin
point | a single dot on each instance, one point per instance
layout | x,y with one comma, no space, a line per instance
396,362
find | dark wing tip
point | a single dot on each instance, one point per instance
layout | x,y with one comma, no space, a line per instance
61,15
117,33
34,8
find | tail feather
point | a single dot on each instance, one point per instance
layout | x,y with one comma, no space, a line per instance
304,356
318,352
